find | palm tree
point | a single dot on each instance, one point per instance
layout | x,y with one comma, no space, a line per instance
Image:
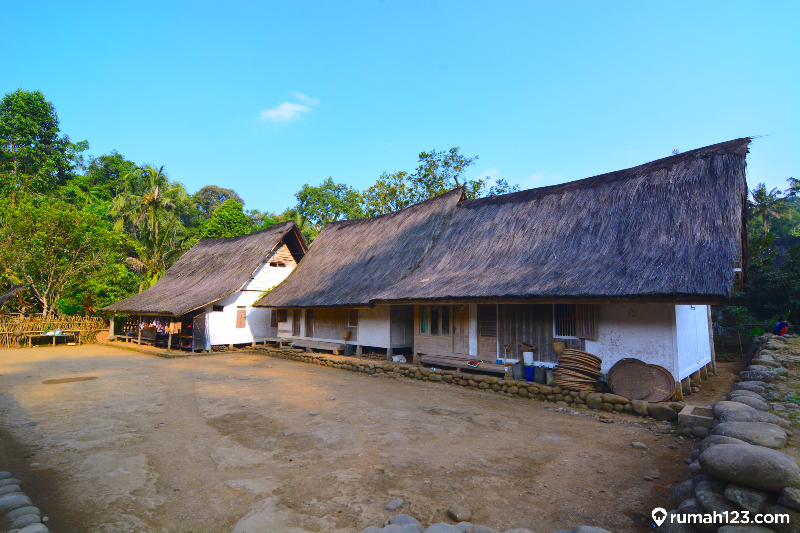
766,204
794,187
146,195
309,230
156,254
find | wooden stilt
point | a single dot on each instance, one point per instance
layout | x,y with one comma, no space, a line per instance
139,328
359,351
169,339
111,328
711,341
389,353
678,390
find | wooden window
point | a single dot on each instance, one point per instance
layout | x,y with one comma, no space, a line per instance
296,322
281,265
434,320
487,317
241,317
564,320
446,320
282,315
423,319
586,321
217,308
273,318
309,322
352,318
575,321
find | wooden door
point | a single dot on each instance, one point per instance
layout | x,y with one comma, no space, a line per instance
487,331
461,329
296,323
309,323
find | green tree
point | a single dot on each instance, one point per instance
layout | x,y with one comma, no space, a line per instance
228,220
211,196
390,193
439,172
51,246
147,195
34,157
328,202
766,205
501,186
794,188
155,254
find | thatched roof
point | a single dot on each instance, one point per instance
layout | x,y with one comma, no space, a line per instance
11,292
212,269
353,260
671,229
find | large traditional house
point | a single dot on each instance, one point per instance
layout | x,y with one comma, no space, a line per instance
623,265
206,298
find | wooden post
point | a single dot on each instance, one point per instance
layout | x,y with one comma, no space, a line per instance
678,390
111,328
139,328
711,341
169,339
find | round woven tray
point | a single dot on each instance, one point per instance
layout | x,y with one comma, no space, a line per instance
632,379
581,355
664,385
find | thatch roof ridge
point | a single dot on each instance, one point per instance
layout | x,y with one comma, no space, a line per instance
672,228
737,146
351,261
210,270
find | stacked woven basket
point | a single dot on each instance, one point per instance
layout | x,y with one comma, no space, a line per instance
577,370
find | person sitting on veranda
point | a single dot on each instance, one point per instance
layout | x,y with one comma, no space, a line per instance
781,327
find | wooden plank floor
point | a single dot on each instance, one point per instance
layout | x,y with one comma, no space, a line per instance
458,362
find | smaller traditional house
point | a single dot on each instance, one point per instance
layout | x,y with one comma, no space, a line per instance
206,298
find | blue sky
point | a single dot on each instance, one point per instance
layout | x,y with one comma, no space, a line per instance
264,97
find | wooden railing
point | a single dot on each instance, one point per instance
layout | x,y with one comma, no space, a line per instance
14,330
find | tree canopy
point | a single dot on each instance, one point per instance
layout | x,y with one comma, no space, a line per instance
228,220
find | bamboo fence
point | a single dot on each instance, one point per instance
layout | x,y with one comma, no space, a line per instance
15,330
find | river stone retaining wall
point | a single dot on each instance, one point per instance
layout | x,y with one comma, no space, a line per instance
513,388
738,466
403,523
20,514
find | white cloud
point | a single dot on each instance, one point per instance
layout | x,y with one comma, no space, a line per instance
306,99
285,112
288,111
490,174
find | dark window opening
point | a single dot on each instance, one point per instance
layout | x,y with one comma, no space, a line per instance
217,308
446,320
435,320
352,319
282,315
273,318
423,319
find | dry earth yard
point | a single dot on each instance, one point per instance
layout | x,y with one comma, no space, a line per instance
107,439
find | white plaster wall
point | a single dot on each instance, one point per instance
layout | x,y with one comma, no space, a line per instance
222,324
694,347
374,326
473,329
641,331
266,276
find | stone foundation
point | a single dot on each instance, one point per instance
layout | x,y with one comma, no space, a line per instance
508,387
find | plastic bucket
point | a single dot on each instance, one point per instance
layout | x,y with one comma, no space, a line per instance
527,357
530,371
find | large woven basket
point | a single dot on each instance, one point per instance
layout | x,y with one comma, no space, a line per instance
637,380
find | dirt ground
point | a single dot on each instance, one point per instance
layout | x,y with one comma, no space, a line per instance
112,440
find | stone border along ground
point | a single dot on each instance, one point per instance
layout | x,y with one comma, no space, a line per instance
20,514
738,467
663,412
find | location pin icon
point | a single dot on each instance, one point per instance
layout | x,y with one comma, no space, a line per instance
659,515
